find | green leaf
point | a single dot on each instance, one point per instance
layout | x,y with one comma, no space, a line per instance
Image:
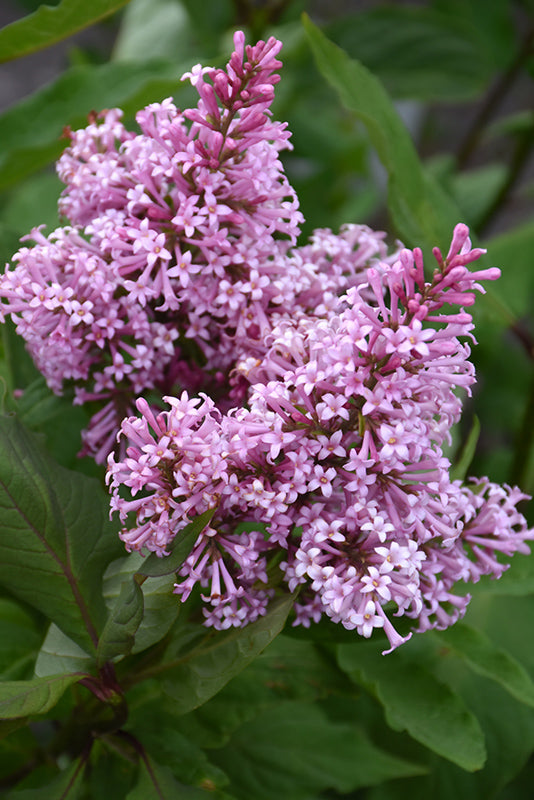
155,566
474,190
57,419
24,698
31,131
416,51
20,640
488,660
517,581
160,732
67,786
414,700
51,24
512,252
201,673
293,750
111,775
422,212
158,783
154,26
17,367
161,606
55,537
494,24
463,461
118,636
286,669
33,203
58,654
508,728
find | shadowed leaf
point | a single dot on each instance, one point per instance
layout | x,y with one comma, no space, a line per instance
55,537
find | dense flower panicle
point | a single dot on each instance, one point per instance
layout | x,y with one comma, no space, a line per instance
310,389
187,230
338,460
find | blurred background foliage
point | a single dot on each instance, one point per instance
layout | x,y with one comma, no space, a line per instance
460,75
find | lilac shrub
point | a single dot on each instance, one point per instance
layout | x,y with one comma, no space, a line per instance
310,389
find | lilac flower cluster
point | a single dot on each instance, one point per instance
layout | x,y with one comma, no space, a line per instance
310,389
180,250
336,460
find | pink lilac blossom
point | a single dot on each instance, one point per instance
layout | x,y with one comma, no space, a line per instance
337,462
310,389
180,255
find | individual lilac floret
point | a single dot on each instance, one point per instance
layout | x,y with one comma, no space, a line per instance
337,461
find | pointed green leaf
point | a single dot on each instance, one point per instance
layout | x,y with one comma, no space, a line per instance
51,24
55,537
293,750
200,674
155,566
489,660
58,654
414,700
118,636
161,606
24,698
422,212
